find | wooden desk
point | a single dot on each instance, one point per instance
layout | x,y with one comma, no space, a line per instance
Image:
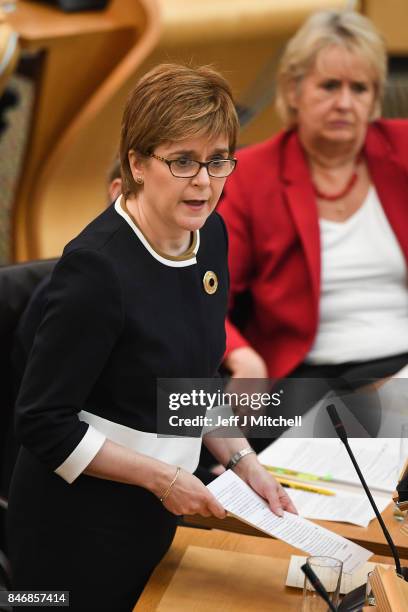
283,598
370,537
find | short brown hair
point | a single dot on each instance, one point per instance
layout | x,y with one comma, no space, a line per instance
323,29
173,102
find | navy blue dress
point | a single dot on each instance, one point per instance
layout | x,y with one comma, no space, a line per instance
118,316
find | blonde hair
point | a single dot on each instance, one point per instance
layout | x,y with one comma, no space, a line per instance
173,102
346,29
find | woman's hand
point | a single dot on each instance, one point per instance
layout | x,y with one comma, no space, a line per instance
188,495
244,362
263,483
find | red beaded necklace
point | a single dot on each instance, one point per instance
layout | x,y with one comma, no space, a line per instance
345,191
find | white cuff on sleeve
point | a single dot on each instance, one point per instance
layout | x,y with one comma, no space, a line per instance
81,456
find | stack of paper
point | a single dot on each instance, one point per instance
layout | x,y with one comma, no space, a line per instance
342,507
328,458
241,501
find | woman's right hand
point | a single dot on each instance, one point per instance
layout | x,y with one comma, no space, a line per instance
244,362
188,495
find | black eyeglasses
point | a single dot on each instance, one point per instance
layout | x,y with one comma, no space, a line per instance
188,168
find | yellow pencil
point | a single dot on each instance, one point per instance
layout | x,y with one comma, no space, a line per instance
303,486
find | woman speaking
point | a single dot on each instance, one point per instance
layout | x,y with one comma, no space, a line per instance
96,493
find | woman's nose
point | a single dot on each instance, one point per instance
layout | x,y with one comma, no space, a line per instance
344,98
202,178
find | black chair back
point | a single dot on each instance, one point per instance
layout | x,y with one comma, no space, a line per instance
17,283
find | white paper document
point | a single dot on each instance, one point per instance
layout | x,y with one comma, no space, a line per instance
296,577
327,457
241,501
344,507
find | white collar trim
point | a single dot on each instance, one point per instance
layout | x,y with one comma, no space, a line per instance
167,262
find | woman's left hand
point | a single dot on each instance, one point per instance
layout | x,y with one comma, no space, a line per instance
263,483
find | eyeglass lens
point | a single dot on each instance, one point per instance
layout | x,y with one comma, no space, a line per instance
188,167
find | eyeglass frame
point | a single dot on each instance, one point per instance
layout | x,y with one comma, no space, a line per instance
201,165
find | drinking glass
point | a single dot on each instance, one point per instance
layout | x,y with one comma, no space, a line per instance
329,571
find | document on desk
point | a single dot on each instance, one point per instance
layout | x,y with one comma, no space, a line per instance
327,457
344,507
242,502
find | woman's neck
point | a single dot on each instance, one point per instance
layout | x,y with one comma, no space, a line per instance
173,242
326,156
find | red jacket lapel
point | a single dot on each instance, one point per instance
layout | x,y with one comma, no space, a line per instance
302,203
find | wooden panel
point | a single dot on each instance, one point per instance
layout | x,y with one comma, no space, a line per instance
214,20
391,19
88,63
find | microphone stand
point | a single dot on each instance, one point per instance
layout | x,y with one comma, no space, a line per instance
355,598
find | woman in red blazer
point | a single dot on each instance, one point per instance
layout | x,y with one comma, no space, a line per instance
317,217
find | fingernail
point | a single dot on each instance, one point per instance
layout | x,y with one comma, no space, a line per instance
279,512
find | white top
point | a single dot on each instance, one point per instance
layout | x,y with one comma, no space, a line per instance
364,295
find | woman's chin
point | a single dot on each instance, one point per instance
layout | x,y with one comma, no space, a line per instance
341,135
192,223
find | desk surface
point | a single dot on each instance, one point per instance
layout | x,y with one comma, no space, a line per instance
284,598
370,537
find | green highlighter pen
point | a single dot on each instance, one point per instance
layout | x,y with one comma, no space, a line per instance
295,474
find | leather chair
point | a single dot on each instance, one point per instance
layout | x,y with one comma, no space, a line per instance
17,284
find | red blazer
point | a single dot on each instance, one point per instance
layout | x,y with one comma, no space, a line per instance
274,243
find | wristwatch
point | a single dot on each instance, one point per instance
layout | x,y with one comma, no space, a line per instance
236,458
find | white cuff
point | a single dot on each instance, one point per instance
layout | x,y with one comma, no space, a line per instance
82,455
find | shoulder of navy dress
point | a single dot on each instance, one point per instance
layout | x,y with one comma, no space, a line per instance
100,232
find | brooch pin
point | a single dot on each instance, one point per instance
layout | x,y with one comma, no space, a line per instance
210,282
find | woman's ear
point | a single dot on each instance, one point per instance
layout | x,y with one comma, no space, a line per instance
292,94
115,189
136,166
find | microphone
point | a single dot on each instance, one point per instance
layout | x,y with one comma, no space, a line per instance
319,588
338,426
358,594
